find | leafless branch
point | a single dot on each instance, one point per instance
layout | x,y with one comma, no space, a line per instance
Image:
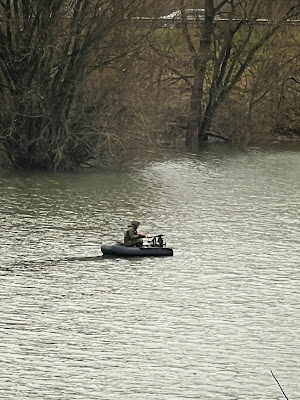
279,385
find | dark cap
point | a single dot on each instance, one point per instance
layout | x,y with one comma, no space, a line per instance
135,223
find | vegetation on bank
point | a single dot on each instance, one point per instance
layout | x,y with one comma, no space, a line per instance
80,77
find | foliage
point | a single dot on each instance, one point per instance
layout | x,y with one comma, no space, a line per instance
218,55
47,51
80,76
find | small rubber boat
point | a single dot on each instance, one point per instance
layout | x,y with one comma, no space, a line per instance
120,250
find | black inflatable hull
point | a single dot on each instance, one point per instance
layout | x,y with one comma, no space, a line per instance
123,251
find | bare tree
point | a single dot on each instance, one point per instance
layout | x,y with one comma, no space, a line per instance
47,51
228,39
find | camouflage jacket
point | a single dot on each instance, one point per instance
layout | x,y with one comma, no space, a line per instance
131,235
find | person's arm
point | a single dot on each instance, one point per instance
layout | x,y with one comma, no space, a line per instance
134,236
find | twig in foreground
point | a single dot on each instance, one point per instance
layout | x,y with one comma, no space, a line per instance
279,385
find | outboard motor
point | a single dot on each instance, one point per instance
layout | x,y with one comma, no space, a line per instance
158,241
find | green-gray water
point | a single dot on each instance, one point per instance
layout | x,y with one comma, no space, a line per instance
208,323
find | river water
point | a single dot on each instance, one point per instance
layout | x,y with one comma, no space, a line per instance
211,322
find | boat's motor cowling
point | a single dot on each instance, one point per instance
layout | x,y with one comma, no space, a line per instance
158,241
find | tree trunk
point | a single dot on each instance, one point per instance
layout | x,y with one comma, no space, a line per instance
196,130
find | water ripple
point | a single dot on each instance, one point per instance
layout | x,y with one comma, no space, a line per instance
209,322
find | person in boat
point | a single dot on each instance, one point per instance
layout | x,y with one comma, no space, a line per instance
132,237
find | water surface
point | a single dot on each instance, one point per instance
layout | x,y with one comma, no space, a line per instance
208,323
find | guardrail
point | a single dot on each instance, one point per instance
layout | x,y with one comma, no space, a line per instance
178,21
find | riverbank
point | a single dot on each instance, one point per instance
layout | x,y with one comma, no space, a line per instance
116,157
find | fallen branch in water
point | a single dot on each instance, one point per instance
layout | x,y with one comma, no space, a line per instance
279,385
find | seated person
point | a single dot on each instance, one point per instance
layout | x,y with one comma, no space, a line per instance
132,237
